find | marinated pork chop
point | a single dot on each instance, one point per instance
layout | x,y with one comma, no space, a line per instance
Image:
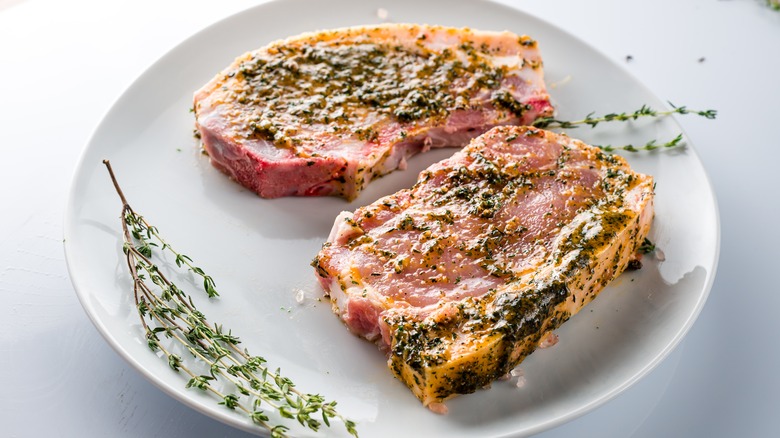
461,276
325,113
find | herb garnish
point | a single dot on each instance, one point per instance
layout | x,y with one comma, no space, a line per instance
644,111
649,146
164,309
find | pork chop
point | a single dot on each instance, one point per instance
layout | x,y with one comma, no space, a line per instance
460,277
325,113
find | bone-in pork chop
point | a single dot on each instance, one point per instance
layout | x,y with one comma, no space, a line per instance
325,113
461,276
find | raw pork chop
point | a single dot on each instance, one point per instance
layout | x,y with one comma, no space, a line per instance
325,113
461,276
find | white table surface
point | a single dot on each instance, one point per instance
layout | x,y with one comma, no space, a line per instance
62,65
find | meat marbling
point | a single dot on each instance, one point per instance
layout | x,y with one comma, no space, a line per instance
324,113
460,277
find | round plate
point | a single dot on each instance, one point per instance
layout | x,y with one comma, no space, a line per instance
259,250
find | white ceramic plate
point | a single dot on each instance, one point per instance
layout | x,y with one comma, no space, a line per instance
259,250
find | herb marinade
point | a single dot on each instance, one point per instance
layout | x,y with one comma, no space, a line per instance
353,85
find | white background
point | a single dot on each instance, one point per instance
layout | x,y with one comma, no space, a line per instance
62,65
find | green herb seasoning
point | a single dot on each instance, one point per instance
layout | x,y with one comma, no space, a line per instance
346,82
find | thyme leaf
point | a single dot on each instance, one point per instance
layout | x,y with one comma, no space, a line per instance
647,246
164,308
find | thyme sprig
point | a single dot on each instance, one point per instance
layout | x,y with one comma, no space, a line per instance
649,146
644,111
164,309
